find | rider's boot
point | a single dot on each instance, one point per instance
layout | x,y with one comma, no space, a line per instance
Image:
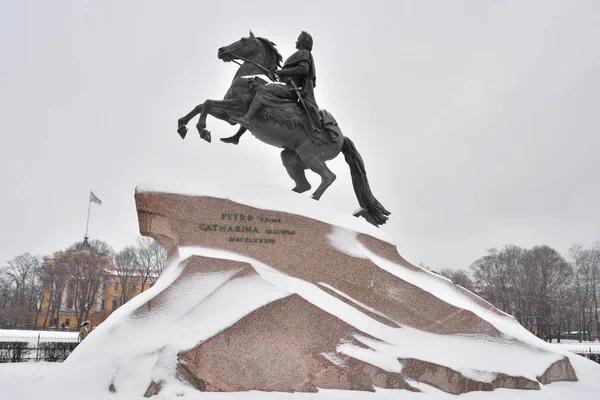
245,120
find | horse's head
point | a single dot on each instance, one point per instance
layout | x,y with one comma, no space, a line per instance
245,48
252,48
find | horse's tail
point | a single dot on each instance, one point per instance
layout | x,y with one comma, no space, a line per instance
372,210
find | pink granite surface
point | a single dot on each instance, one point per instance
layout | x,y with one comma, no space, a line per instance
281,345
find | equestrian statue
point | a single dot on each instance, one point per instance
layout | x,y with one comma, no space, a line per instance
285,114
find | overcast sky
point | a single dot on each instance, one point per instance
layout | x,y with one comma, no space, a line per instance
478,121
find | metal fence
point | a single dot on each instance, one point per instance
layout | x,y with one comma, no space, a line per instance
39,328
28,348
591,353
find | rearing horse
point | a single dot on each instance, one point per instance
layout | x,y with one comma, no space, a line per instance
300,152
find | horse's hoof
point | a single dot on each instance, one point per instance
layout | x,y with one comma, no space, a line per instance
204,134
232,140
182,130
301,189
316,196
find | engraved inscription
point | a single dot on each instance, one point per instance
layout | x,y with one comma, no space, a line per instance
236,217
248,224
251,240
228,228
279,232
270,219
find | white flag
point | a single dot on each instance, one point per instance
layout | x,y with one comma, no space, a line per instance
95,199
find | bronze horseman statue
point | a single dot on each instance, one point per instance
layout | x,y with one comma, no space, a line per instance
284,113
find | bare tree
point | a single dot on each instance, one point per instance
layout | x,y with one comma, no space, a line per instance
459,277
536,285
6,292
595,292
126,267
492,277
36,293
56,273
87,264
587,284
6,298
151,260
22,271
511,257
553,276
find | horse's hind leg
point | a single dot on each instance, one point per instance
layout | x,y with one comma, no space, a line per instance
295,168
183,121
319,167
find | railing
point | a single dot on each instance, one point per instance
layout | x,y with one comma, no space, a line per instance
40,328
583,350
591,353
28,348
588,350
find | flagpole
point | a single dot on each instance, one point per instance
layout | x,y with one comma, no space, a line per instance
87,225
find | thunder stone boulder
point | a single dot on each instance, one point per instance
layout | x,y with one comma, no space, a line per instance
289,299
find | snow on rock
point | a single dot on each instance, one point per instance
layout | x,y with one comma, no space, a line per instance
276,292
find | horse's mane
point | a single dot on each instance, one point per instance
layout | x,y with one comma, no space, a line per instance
274,59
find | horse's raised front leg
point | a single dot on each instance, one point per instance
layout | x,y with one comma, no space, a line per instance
201,125
222,109
183,121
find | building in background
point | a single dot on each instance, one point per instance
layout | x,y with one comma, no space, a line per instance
85,283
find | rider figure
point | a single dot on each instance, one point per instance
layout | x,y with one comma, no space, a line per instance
298,72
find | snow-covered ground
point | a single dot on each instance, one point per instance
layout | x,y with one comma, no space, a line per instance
31,381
